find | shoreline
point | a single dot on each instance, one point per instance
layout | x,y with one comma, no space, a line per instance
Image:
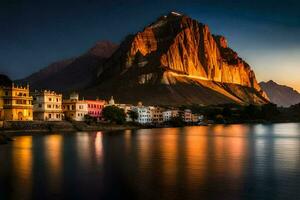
41,127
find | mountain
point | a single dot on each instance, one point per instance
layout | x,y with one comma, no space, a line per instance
280,94
173,61
74,73
5,80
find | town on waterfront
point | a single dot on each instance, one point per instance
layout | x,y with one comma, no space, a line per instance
22,109
19,104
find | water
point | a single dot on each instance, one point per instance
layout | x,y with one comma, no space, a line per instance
216,162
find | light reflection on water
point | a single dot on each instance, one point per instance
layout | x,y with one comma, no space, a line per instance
215,162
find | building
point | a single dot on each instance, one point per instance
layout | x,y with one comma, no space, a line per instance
168,115
16,103
187,115
95,108
197,118
1,104
47,106
148,114
144,114
157,115
75,109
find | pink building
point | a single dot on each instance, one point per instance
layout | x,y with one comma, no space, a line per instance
95,107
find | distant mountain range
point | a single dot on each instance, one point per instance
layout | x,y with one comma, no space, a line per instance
173,61
280,94
72,74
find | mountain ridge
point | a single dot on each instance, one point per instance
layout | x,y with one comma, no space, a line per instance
281,95
177,44
74,73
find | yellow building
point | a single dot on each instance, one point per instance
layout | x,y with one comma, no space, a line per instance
1,104
47,106
17,103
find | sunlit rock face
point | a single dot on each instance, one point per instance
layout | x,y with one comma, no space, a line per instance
179,44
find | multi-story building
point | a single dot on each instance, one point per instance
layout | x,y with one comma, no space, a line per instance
47,106
74,108
1,104
95,108
16,103
148,114
168,115
144,114
187,115
156,114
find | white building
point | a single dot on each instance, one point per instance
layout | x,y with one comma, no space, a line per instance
168,115
47,106
144,114
148,114
74,108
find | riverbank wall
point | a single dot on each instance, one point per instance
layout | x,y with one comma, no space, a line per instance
59,126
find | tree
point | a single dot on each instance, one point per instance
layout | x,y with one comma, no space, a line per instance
227,112
251,112
114,114
176,121
270,111
133,115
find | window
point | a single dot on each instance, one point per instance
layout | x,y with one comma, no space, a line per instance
49,116
40,105
48,106
50,99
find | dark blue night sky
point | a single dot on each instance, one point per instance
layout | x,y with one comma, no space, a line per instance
35,33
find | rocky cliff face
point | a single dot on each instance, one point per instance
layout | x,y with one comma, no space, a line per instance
281,95
175,49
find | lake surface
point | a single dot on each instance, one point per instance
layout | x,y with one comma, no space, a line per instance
215,162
